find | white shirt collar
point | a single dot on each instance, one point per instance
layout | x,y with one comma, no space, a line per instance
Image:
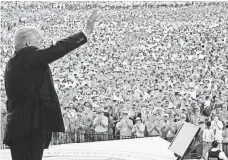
214,149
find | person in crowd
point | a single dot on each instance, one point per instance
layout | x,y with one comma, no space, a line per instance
225,133
184,110
132,114
116,119
188,113
138,129
208,137
92,128
87,124
181,119
215,152
77,129
170,129
164,125
106,113
100,125
110,123
67,118
202,127
217,126
4,121
196,117
125,126
207,106
153,127
223,113
72,117
88,109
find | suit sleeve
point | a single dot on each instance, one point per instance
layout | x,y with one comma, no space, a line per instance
45,56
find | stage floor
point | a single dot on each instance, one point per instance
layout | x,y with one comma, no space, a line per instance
130,149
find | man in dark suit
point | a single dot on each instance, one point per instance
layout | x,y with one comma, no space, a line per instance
33,106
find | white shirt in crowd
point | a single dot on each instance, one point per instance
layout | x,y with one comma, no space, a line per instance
101,124
208,135
138,130
125,127
217,126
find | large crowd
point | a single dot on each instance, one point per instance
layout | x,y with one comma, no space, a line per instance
148,67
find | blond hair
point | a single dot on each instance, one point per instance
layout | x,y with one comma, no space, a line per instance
23,35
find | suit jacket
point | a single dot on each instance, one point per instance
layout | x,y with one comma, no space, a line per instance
32,99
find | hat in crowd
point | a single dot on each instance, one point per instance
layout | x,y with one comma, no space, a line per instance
105,109
138,119
189,107
197,107
177,117
87,102
201,120
170,112
183,116
170,106
79,114
166,115
65,107
125,112
100,111
226,122
96,106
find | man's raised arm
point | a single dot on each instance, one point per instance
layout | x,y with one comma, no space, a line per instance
45,56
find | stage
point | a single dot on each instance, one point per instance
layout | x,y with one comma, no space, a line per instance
130,149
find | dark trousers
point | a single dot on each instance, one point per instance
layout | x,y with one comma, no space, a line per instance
28,147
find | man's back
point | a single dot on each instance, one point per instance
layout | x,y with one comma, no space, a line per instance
25,88
32,99
215,154
19,78
20,84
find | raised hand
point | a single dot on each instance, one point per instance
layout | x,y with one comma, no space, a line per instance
90,22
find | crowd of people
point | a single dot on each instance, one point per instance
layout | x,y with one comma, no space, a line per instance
148,67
